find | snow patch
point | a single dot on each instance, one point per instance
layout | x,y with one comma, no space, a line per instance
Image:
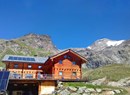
89,47
114,43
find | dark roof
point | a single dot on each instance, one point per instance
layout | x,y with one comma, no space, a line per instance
30,59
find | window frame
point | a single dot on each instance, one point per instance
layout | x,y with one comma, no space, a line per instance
60,73
39,67
60,61
16,66
29,66
74,73
74,63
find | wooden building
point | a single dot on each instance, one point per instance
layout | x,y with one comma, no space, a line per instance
39,75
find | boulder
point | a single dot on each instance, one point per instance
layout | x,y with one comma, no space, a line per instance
117,91
74,94
80,90
72,88
99,81
87,91
86,94
117,84
98,90
64,92
91,90
109,93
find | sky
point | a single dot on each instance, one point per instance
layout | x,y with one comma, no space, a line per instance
69,23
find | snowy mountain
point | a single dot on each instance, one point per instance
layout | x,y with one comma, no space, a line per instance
104,43
105,51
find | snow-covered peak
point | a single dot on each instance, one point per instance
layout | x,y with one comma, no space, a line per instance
89,47
114,43
103,43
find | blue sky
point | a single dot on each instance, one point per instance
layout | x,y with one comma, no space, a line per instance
70,23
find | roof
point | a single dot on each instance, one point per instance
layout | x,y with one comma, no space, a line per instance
66,51
29,59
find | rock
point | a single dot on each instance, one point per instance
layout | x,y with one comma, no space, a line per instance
60,84
109,93
64,92
84,87
80,90
98,90
106,89
72,88
87,91
99,81
86,94
90,90
74,94
128,83
117,84
124,80
117,91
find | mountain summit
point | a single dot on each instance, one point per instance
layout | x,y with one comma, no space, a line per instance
30,44
105,51
104,43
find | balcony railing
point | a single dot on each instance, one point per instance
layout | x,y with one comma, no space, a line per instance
41,76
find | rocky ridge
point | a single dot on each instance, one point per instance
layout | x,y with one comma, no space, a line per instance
100,54
29,45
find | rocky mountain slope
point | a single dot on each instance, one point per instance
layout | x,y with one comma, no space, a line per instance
102,52
31,44
105,51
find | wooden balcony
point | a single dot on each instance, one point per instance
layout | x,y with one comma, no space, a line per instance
42,77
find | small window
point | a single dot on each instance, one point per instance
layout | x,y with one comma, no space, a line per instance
60,73
74,63
74,73
65,56
29,66
39,67
69,57
15,65
60,61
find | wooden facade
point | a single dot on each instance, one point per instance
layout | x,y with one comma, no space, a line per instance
62,66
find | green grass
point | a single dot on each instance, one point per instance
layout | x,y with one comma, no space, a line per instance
88,85
112,72
81,84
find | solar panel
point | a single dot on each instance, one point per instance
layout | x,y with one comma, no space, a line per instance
32,59
28,59
1,73
10,58
4,78
21,58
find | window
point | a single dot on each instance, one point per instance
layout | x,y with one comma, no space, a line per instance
60,73
29,76
15,66
29,66
74,63
65,56
74,73
39,67
69,57
60,61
